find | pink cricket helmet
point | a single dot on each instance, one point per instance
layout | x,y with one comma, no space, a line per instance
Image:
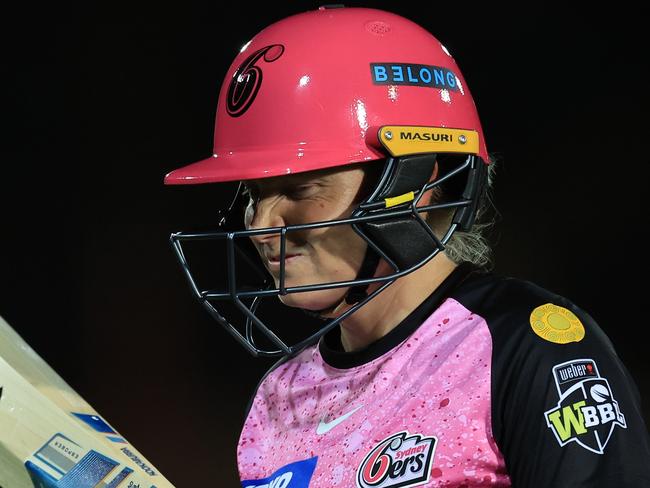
311,91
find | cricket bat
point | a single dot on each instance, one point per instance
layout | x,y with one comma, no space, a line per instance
50,437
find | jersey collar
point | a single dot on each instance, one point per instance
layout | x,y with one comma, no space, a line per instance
330,346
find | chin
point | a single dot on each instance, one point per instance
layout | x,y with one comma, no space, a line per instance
314,300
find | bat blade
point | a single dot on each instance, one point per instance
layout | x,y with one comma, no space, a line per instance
50,437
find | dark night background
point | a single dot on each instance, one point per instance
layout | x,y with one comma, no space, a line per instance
97,111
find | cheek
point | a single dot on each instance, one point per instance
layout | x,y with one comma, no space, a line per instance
340,252
305,213
311,211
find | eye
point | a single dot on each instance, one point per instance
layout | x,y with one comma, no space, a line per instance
301,191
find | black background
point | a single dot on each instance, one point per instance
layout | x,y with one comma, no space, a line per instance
97,111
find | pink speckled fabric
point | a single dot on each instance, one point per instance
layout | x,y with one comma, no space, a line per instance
435,385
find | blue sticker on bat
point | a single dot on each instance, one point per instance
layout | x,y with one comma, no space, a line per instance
116,439
71,464
96,422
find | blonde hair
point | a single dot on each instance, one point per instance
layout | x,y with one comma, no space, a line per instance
473,245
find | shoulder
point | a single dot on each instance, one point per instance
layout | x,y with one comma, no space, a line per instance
284,366
536,333
557,386
519,312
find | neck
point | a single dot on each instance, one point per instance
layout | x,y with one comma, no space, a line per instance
384,312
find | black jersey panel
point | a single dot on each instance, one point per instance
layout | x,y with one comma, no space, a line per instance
565,410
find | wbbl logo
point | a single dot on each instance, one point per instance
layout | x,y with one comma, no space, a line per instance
398,461
586,412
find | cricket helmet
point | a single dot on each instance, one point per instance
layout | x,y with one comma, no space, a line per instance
329,88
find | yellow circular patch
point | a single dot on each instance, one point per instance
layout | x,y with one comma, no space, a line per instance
556,324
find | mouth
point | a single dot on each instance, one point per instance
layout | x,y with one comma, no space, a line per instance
273,262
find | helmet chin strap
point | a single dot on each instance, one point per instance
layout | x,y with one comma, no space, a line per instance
367,270
399,176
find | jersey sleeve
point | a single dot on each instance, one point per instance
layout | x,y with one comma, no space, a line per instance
566,411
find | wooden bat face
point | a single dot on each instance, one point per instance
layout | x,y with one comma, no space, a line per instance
51,437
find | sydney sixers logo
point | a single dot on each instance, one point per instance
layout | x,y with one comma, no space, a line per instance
398,461
247,79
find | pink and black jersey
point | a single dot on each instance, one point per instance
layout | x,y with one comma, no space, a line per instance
491,381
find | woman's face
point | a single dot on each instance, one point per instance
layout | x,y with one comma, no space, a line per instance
313,256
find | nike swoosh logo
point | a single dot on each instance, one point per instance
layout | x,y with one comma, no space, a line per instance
324,427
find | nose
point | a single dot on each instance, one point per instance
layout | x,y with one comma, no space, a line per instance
265,212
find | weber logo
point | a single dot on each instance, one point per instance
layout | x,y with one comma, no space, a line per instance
575,371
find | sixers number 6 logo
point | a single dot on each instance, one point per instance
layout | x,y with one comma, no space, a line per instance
400,460
247,80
